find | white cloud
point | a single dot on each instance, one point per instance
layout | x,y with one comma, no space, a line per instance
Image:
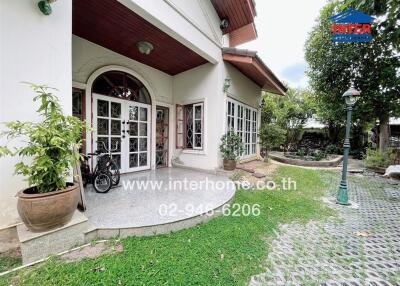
283,27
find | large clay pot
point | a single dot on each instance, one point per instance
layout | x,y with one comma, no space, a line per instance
229,165
45,211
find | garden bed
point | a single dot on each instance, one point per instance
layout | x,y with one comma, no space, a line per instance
331,161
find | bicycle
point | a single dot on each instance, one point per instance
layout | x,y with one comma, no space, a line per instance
106,160
101,180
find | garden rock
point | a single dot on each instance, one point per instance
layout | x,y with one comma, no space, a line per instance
393,171
258,175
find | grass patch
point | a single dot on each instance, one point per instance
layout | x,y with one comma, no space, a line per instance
225,251
9,260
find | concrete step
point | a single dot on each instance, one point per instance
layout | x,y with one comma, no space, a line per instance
36,246
225,173
90,233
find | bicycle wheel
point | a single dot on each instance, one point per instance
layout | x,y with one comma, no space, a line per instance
114,170
102,182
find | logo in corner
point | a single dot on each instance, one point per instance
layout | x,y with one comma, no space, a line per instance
351,26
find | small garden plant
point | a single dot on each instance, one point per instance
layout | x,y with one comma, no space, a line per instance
231,146
333,149
378,159
50,144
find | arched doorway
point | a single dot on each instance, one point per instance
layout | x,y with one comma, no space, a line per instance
121,111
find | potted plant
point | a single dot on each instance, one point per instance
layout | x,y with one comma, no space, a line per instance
231,148
47,155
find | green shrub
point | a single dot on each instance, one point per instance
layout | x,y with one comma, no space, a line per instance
50,144
272,136
301,152
231,146
358,153
333,149
319,155
378,159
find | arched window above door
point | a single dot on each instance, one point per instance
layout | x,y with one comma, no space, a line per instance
121,85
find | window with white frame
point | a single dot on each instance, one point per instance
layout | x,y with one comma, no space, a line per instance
242,119
189,126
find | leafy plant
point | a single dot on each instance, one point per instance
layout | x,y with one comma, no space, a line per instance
332,149
357,153
301,152
319,155
379,159
50,144
231,146
272,136
373,67
283,117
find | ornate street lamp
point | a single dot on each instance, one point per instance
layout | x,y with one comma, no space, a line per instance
350,97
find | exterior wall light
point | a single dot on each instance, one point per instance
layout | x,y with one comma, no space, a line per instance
227,84
45,7
262,103
144,47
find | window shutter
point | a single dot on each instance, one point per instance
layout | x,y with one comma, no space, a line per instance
179,126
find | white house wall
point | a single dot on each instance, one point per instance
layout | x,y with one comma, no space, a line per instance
205,83
173,20
38,48
88,57
202,84
242,88
34,48
202,14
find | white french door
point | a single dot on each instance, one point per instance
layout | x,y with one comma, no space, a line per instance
124,127
242,119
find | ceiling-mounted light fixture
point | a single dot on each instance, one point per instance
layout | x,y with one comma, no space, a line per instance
224,24
45,7
144,47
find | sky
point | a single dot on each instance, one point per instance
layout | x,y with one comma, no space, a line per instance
282,27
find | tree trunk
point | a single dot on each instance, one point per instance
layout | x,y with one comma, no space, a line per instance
333,133
383,134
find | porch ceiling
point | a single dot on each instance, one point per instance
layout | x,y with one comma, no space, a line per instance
110,24
239,13
254,68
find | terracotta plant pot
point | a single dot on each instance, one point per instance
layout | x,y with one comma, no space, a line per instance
229,165
45,211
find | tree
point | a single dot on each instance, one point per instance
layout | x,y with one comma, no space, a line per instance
282,118
374,67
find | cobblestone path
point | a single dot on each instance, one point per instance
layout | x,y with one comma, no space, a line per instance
358,247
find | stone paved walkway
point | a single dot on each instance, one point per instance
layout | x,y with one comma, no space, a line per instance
359,247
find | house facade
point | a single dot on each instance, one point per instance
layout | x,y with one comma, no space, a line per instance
160,81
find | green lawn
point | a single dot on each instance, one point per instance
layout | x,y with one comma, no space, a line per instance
9,260
225,251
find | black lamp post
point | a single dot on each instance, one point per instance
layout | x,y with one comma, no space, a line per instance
350,96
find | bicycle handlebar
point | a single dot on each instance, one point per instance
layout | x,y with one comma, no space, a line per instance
109,150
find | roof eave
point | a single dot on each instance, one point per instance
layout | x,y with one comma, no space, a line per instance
240,57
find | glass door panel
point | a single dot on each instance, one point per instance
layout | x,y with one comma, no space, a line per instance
138,139
162,142
108,126
123,127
